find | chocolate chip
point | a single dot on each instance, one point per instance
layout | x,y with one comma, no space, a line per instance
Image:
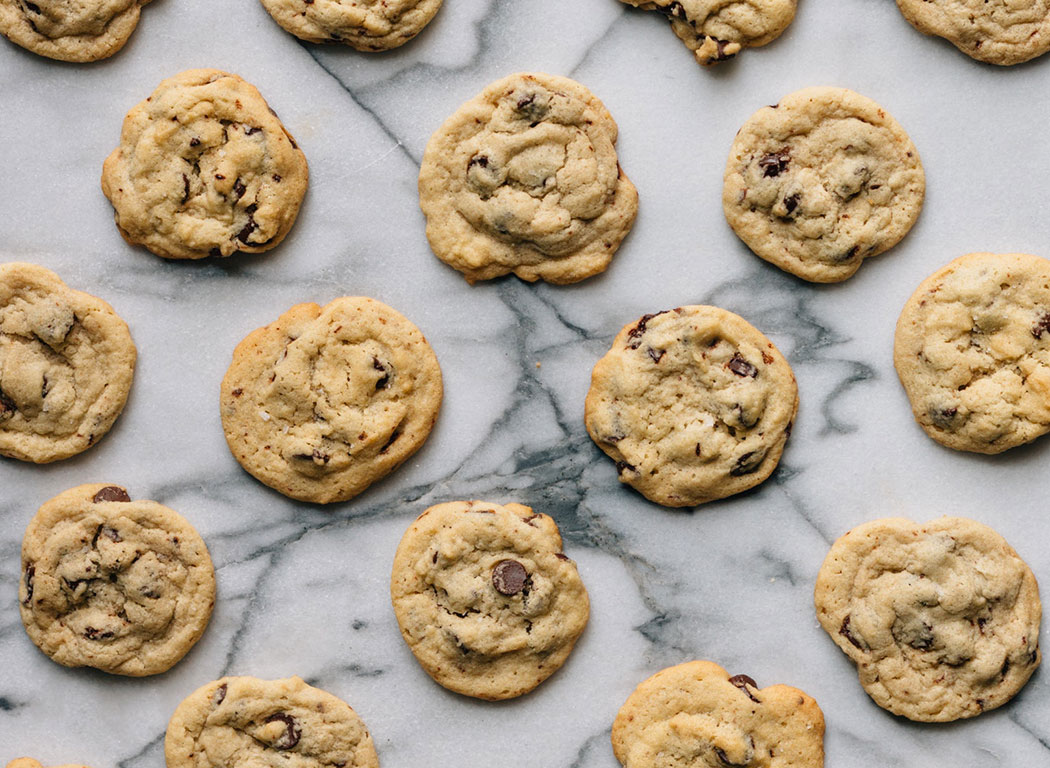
1005,668
791,203
292,731
943,417
185,188
635,334
623,466
384,380
721,54
742,367
924,640
561,556
748,463
656,354
30,573
111,493
237,392
724,758
239,188
195,142
1041,325
774,163
508,577
396,434
219,695
844,631
980,625
250,129
220,177
479,160
7,405
674,11
96,634
742,682
251,226
526,101
215,252
277,178
320,456
851,253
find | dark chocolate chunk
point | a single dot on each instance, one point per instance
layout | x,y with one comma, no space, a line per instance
561,556
943,417
748,463
292,731
277,178
251,226
479,160
394,436
721,55
30,573
195,142
844,631
774,163
219,695
851,253
185,188
635,334
508,577
250,129
723,758
656,354
791,203
1041,325
239,189
742,682
237,392
96,634
7,405
742,367
623,466
383,380
111,493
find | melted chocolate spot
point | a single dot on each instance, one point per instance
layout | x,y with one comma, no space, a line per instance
844,631
383,380
748,463
742,367
251,226
111,493
96,634
508,577
623,466
791,203
239,189
742,682
634,335
30,573
292,731
774,163
656,354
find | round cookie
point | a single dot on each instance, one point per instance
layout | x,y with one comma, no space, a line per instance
821,181
695,714
367,25
66,365
86,30
123,586
238,721
204,168
485,598
323,402
994,31
717,30
941,618
972,350
524,178
693,404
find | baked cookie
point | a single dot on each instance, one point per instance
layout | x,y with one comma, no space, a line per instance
694,404
695,714
941,618
485,598
238,721
995,31
524,178
323,402
821,181
717,30
367,25
86,30
972,350
123,586
66,364
28,762
204,168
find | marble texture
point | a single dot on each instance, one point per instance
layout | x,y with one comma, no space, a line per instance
304,590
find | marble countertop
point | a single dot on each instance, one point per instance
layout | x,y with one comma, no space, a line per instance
304,589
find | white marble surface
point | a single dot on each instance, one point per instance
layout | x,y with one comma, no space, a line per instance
303,590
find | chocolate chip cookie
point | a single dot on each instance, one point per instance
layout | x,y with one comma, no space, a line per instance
325,401
695,714
941,618
524,178
821,181
66,364
204,168
972,350
367,25
995,31
717,30
86,30
693,404
485,597
239,721
123,586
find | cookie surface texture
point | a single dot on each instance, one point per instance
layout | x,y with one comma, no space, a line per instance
941,618
693,404
821,181
66,365
86,30
994,31
325,401
367,25
717,30
486,599
695,714
123,586
972,350
524,178
204,168
237,721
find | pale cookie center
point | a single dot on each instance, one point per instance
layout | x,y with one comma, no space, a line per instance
693,740
63,18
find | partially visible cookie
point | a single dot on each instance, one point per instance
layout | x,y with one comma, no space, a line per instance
66,365
693,404
821,181
204,168
28,762
123,586
995,31
367,25
486,599
85,30
941,618
242,721
524,178
695,714
325,401
972,349
717,30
